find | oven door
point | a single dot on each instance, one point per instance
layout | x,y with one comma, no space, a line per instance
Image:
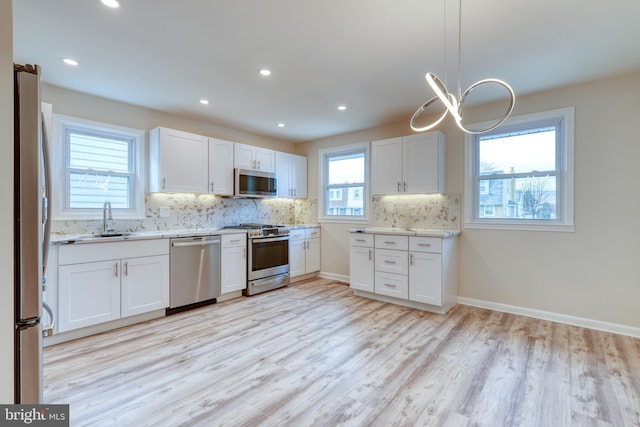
268,256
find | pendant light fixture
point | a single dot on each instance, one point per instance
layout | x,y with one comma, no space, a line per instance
452,104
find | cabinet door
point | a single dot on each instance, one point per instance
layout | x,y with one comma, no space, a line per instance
425,278
244,156
313,255
265,159
299,176
88,294
423,163
234,269
386,167
183,162
361,268
145,284
283,172
297,257
220,167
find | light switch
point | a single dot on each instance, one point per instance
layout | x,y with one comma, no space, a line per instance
165,212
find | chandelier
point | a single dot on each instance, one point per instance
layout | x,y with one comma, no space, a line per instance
452,103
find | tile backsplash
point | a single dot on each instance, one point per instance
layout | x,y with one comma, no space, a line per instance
189,211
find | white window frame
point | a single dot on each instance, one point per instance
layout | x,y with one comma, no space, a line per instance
323,155
60,209
564,190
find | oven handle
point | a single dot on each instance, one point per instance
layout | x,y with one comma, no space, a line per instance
269,239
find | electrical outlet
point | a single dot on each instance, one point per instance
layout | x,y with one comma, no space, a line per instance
165,212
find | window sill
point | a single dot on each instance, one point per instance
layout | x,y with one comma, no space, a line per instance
513,226
344,220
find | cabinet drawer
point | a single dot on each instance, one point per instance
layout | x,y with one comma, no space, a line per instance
233,240
426,244
387,241
361,239
392,261
393,285
312,233
297,234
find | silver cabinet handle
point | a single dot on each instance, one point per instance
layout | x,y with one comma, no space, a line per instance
405,187
424,244
389,243
398,186
244,252
164,183
125,269
360,240
369,254
389,262
390,285
258,164
235,241
411,259
212,186
116,269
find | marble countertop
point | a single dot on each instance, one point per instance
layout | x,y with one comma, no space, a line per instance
423,232
159,234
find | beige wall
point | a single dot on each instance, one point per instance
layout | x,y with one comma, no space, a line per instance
6,194
593,273
104,110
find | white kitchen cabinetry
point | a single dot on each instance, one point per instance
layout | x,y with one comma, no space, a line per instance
414,271
254,158
304,251
99,282
221,167
391,265
178,161
361,264
409,165
291,171
233,262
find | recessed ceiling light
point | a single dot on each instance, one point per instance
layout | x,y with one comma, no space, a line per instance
204,102
342,107
114,4
70,61
280,125
265,72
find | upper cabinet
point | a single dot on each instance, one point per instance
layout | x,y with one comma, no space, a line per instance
409,165
178,161
291,171
254,158
220,167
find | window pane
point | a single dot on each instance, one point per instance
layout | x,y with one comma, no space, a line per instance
88,151
344,201
518,198
527,151
346,169
91,190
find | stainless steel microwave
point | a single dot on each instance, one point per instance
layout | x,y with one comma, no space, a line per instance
250,183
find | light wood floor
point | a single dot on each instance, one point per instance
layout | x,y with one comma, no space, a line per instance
314,354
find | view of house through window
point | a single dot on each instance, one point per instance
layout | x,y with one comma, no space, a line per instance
518,173
344,183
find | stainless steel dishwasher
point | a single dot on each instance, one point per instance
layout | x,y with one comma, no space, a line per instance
195,272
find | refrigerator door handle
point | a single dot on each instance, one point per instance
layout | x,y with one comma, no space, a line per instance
46,214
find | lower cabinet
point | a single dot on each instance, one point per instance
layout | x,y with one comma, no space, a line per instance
304,251
415,271
361,267
96,284
233,262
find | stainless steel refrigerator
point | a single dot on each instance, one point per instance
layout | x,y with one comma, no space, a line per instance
31,231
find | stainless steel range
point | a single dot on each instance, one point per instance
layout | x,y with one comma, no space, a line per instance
268,257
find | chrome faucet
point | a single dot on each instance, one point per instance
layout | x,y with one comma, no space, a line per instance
106,216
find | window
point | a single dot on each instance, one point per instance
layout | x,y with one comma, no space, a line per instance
520,175
97,163
343,183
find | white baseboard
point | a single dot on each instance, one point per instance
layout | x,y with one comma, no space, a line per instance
554,317
332,276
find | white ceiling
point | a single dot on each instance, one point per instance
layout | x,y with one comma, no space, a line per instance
370,55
